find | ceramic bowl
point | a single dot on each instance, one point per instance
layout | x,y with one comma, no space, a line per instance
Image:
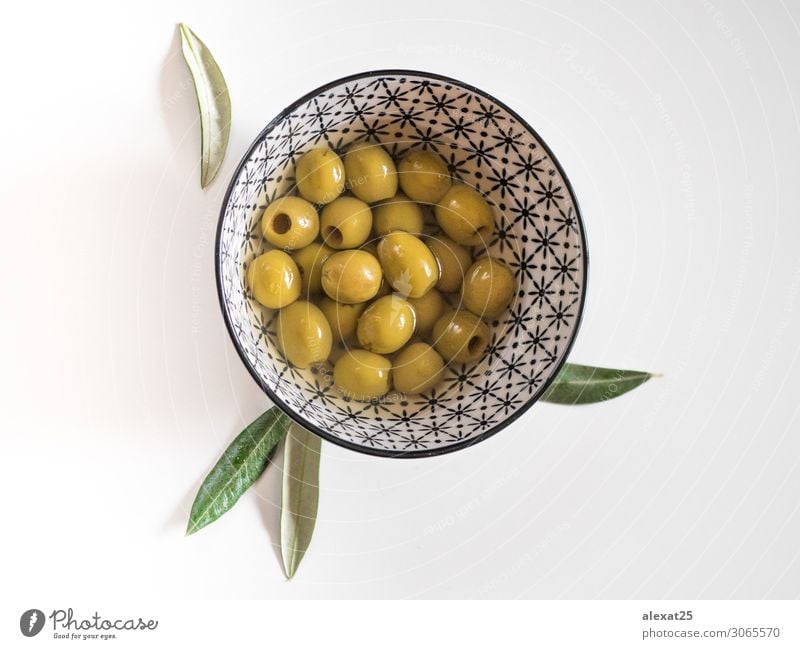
538,233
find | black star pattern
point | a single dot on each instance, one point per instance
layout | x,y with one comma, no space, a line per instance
567,267
525,263
420,86
538,340
530,166
480,153
405,118
425,137
504,237
540,291
391,96
523,208
488,114
346,95
562,315
501,180
508,140
545,241
375,130
508,404
458,127
455,163
537,233
443,103
548,194
566,220
359,112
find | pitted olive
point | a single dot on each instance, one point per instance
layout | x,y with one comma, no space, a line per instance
290,223
351,276
304,335
320,176
274,279
371,172
424,176
417,368
345,223
488,287
460,336
362,375
398,213
465,216
408,264
386,325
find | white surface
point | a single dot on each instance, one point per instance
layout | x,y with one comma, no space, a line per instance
678,125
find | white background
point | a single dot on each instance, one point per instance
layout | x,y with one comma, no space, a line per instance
678,126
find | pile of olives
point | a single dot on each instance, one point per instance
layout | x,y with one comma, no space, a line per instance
379,281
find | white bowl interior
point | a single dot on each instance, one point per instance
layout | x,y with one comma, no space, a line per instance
538,234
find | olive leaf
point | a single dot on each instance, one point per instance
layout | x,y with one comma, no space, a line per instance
238,468
582,384
213,101
300,495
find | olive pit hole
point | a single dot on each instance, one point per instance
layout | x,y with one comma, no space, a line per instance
282,223
334,236
475,344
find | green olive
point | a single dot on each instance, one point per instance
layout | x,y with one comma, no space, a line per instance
465,216
398,213
386,325
274,279
453,262
304,335
346,223
427,310
343,318
371,174
351,276
417,368
488,287
409,265
320,175
309,261
290,222
362,375
424,176
460,336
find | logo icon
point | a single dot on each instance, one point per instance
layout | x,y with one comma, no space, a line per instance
31,622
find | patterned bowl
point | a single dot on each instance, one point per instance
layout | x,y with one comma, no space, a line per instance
538,233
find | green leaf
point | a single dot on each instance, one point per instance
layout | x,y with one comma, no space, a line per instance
213,101
581,384
300,495
238,468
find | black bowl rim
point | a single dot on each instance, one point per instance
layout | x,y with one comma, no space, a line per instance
450,448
